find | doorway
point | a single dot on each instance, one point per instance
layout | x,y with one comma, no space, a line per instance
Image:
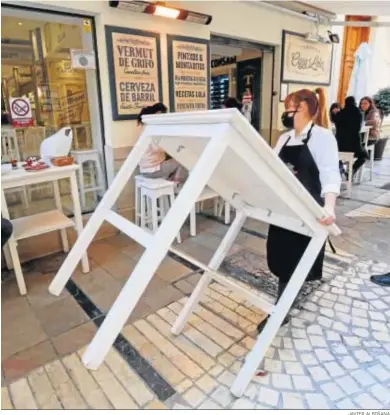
244,70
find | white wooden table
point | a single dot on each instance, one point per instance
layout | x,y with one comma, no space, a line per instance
260,186
38,224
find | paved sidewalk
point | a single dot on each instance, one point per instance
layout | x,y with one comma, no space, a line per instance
335,353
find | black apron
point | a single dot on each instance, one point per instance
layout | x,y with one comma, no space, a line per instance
285,248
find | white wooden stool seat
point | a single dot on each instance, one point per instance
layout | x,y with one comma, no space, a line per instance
152,201
96,183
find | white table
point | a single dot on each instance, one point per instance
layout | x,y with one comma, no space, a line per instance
38,224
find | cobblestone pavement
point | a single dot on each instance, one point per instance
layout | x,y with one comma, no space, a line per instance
335,352
367,234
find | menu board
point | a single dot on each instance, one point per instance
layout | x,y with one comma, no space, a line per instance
305,62
189,73
135,70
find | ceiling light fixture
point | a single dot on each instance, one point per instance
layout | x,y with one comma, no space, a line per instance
162,10
166,12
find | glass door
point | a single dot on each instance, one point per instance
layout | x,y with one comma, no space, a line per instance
37,67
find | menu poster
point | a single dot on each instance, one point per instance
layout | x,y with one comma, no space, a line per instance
189,74
305,62
135,70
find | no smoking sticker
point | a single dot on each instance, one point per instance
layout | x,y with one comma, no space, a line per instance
20,107
21,112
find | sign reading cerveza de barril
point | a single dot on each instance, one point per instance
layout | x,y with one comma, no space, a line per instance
305,62
189,74
134,64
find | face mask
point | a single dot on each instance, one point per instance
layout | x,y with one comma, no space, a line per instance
288,119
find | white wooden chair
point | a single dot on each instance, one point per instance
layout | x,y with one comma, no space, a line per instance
370,150
31,139
9,143
348,158
82,138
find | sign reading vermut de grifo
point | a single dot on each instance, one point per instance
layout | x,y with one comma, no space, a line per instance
189,74
136,69
305,62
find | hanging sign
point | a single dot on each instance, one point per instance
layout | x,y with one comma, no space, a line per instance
224,61
82,59
189,74
21,113
135,70
305,62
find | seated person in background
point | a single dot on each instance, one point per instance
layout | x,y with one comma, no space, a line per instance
154,163
231,102
348,123
335,108
372,118
6,231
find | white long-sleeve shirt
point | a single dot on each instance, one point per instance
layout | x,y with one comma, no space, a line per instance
323,147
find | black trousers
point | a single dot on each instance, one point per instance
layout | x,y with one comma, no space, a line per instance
281,287
361,156
6,231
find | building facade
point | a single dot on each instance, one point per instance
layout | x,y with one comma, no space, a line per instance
240,31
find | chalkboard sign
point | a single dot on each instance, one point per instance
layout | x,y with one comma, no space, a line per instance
135,70
189,73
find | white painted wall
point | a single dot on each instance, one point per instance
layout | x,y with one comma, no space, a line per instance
380,61
237,19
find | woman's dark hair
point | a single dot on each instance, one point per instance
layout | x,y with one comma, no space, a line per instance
152,109
370,101
332,107
350,102
231,102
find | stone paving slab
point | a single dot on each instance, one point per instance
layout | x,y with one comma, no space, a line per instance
335,353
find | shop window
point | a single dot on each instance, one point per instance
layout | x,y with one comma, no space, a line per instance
36,65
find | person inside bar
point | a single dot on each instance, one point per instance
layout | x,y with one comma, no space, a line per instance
155,163
311,153
231,102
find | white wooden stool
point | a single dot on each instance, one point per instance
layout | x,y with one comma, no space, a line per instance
152,200
93,156
218,207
